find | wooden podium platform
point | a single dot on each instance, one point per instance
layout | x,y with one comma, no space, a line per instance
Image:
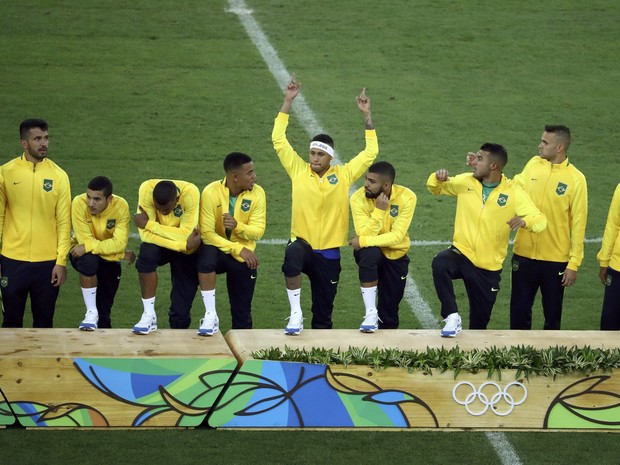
110,377
274,394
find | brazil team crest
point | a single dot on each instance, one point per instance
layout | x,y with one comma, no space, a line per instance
110,224
4,281
515,265
178,211
394,211
332,178
502,200
245,205
561,189
48,185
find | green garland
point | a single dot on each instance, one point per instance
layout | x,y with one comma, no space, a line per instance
526,360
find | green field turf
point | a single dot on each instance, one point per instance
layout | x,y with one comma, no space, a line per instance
165,89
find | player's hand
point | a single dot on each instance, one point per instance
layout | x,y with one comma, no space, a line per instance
230,222
363,102
355,242
193,240
59,274
78,250
469,159
602,275
382,202
250,258
569,277
441,175
141,218
516,223
292,89
130,256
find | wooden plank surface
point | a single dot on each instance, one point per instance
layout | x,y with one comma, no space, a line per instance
244,342
57,342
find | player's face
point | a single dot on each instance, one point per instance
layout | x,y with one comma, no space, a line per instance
319,161
548,147
97,202
246,176
36,144
373,186
481,165
166,209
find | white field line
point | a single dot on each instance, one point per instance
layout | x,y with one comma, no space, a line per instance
503,448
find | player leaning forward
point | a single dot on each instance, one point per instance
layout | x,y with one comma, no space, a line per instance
320,212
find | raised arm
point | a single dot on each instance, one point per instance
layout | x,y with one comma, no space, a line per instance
363,103
291,91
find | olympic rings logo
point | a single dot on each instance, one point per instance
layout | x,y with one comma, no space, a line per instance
501,396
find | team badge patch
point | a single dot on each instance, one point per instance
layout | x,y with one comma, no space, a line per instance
245,205
110,224
48,185
394,211
4,281
561,189
502,200
178,211
607,281
332,178
515,265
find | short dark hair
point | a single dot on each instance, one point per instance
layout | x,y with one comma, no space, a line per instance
325,139
164,192
497,151
235,160
560,131
101,183
28,124
384,169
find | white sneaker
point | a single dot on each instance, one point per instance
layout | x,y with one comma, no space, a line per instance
295,324
453,325
89,323
371,322
209,325
147,324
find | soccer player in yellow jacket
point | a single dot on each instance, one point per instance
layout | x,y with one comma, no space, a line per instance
549,260
100,222
488,207
232,219
382,212
320,212
167,220
609,261
35,229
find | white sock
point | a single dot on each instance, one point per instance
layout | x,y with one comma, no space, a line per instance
369,295
208,298
149,305
294,298
90,298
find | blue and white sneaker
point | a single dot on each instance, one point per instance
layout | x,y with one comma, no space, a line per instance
371,322
295,324
89,323
453,325
147,324
209,325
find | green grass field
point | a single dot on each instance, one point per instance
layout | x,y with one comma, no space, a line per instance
165,89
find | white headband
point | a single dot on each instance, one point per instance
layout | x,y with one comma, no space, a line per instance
315,144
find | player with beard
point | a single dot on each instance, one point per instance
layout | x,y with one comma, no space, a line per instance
35,229
382,212
488,207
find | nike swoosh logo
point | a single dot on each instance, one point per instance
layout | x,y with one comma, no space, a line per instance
403,277
560,273
493,289
16,182
252,276
469,189
333,282
533,179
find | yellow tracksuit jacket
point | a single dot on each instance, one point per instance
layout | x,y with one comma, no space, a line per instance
480,229
609,255
320,211
250,213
